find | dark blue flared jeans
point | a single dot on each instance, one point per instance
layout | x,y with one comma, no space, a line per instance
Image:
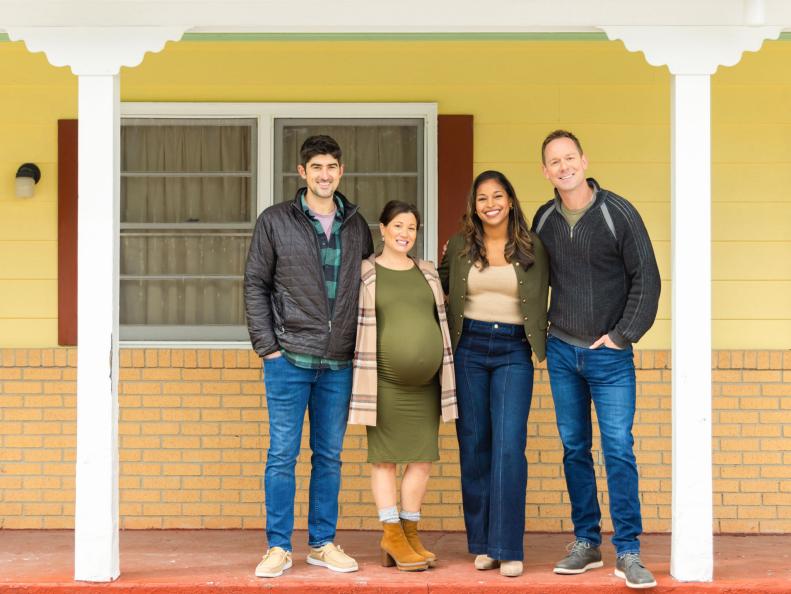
494,384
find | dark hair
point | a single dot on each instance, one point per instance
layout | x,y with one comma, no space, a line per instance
518,248
319,145
396,207
554,135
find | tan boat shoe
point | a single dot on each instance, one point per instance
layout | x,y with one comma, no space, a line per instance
274,563
332,557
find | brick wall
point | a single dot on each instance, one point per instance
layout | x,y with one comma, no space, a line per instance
193,435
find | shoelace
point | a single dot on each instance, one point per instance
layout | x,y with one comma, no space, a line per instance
630,558
578,546
269,552
333,547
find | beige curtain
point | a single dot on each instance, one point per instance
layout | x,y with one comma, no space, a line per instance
186,217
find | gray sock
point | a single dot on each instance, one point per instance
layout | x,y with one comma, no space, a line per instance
389,515
411,516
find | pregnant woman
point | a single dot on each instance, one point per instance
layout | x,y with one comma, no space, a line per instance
403,380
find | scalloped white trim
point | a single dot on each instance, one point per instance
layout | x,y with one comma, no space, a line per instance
95,50
692,50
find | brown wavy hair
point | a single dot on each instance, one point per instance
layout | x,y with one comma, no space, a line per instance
518,248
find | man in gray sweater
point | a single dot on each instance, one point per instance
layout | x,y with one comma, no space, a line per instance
605,291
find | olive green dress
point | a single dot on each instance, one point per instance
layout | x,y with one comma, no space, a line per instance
408,358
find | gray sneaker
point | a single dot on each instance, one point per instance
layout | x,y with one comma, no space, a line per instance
582,557
629,567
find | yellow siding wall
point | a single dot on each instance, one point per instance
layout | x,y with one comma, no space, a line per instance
517,92
33,96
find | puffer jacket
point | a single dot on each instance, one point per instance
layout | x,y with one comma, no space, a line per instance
285,298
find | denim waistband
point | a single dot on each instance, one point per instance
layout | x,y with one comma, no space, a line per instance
498,328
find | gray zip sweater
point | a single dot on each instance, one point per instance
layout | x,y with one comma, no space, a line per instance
603,272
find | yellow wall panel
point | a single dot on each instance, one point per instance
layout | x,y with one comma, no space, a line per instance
36,104
632,104
28,298
753,222
730,104
28,220
21,332
742,143
525,104
755,300
751,334
752,182
31,142
751,261
28,260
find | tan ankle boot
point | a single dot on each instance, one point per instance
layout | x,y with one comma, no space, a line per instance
396,550
410,531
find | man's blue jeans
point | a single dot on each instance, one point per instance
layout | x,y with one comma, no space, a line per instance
290,390
494,387
605,376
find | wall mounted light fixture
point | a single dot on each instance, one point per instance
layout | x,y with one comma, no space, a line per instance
27,177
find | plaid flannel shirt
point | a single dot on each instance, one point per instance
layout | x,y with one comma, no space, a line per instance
330,252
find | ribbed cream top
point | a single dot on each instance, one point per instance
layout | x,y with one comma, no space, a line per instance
493,295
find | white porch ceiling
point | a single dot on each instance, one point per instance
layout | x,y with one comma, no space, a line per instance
348,16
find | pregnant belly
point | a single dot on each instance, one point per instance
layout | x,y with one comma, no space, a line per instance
411,359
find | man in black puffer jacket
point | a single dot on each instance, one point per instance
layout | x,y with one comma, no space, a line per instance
301,286
605,291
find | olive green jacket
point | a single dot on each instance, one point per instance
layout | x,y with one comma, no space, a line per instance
533,292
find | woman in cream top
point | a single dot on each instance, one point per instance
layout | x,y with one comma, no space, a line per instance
496,276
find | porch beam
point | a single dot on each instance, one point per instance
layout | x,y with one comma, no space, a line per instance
392,15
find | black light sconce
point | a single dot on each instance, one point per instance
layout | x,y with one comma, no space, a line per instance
27,177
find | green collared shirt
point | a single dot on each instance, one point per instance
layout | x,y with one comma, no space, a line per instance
330,253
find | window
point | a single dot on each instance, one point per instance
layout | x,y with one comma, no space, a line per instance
187,215
194,178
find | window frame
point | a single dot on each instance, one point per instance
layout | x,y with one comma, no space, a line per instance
266,114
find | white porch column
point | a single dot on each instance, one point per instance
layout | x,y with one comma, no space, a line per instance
96,54
692,552
96,511
692,55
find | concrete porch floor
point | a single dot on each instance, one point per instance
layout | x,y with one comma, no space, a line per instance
222,561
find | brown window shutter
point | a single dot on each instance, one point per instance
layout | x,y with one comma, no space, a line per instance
67,232
454,148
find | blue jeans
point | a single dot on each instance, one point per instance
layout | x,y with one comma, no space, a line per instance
325,394
494,387
605,376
